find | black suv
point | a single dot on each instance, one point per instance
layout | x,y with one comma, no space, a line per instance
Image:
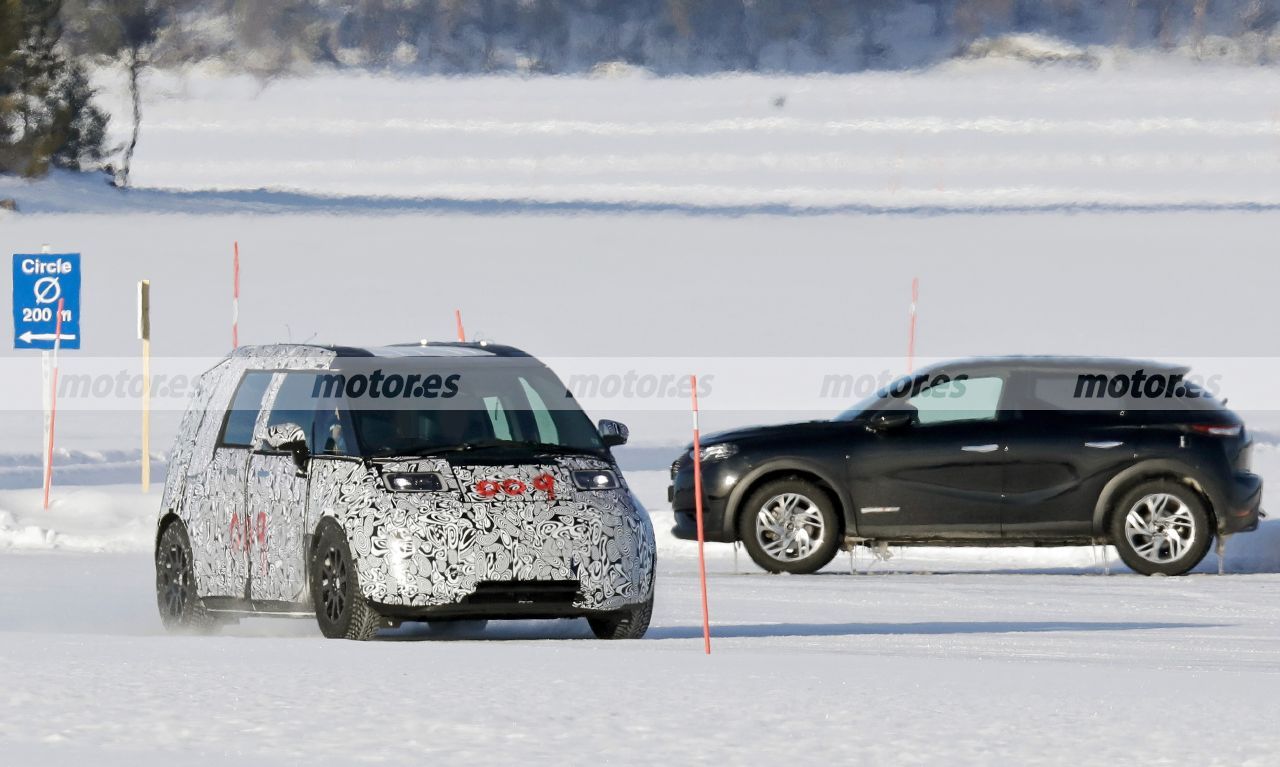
1007,451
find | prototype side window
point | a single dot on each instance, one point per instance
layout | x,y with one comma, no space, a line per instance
237,427
296,403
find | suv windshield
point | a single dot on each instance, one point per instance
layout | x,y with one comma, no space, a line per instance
467,406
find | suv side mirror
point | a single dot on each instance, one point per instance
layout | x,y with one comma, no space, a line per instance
290,438
888,420
614,433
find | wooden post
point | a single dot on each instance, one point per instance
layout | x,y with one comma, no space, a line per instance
144,335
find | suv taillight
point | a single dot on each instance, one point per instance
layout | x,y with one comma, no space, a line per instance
1216,430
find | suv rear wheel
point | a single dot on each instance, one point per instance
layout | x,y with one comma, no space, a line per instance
1161,528
790,526
341,609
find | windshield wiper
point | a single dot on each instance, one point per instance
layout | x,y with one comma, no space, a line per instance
549,447
527,444
423,450
420,450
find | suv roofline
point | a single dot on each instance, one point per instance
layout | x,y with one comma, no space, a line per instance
1051,362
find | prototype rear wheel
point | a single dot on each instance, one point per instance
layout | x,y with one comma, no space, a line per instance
790,526
180,607
1161,528
342,612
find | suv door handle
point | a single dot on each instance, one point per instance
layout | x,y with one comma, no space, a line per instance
1103,445
980,448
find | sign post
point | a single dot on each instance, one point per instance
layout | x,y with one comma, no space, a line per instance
46,316
144,335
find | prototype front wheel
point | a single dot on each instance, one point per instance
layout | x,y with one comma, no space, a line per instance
341,609
180,606
1161,528
790,526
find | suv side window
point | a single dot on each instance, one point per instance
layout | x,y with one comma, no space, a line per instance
969,399
237,428
296,404
1059,397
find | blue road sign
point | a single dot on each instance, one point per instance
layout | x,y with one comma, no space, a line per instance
39,280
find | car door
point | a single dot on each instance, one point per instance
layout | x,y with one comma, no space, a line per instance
277,497
941,476
223,498
1062,450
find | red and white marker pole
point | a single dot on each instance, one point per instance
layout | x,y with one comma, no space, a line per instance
235,299
53,406
697,505
457,318
911,339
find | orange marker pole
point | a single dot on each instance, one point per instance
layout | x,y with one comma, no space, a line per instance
697,504
457,317
911,340
235,299
53,407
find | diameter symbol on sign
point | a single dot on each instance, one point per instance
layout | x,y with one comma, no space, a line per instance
48,290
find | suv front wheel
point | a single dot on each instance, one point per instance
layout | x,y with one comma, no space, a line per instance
1161,528
790,526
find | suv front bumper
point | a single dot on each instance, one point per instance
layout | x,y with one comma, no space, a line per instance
1241,509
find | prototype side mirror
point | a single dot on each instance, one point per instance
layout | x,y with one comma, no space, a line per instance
289,437
614,433
889,420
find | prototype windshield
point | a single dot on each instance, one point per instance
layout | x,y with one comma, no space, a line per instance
467,406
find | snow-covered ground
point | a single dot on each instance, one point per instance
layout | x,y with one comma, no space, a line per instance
1130,210
925,663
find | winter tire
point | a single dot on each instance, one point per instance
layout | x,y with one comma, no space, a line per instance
631,623
341,609
181,609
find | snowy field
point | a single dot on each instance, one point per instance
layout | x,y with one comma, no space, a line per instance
934,658
1130,210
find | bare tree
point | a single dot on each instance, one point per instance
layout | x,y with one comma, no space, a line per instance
124,30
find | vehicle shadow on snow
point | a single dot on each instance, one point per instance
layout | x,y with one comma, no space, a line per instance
577,629
768,630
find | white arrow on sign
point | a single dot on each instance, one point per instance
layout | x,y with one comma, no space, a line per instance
28,337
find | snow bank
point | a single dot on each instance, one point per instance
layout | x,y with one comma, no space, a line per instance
111,518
